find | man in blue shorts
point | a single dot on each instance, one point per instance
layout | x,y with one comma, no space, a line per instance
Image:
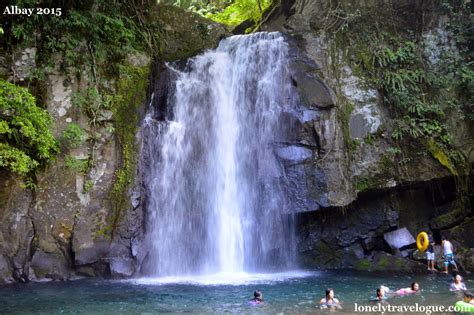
448,250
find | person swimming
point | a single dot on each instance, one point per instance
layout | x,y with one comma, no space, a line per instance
329,301
468,297
457,284
380,294
414,288
257,298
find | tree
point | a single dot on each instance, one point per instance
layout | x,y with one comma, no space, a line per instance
26,141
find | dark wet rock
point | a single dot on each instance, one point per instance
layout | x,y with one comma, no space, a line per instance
122,267
356,250
313,91
50,265
185,33
294,154
5,270
86,271
381,261
465,259
16,228
448,220
88,253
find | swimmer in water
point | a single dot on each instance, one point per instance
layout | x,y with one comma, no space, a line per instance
468,297
257,297
380,294
457,284
329,301
415,287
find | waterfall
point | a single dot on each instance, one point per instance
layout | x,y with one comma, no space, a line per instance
213,183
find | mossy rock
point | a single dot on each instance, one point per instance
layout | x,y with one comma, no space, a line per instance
185,34
87,271
382,261
381,177
41,272
363,265
463,234
322,256
48,247
441,156
449,219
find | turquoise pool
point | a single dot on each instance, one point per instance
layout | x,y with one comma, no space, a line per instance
289,293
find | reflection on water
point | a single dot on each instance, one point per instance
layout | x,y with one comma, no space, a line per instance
283,295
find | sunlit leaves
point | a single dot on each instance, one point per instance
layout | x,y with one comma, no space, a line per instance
26,140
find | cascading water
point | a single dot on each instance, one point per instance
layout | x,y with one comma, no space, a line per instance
212,179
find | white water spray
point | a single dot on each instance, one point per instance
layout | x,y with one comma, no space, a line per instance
211,176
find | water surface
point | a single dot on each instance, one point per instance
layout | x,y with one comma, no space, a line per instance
290,293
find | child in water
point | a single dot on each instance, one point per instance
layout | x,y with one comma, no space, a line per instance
381,294
329,301
415,287
257,298
457,284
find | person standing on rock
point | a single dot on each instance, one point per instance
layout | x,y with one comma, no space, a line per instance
448,251
430,256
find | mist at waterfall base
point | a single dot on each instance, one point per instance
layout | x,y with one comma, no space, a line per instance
213,186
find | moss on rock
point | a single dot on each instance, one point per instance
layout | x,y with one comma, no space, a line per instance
185,33
363,265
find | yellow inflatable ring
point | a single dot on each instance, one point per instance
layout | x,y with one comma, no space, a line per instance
422,242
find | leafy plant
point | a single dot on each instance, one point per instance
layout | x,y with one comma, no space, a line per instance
88,185
88,32
76,164
240,11
26,141
74,135
418,92
92,104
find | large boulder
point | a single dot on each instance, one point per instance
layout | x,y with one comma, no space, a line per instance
16,228
399,238
185,33
381,261
50,265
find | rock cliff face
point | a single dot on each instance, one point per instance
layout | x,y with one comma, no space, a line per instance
79,221
345,185
361,189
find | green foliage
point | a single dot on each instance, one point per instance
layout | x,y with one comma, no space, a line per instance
76,164
26,141
240,11
439,155
29,184
343,114
88,185
131,92
393,151
16,160
92,103
417,92
92,32
409,88
74,135
228,12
